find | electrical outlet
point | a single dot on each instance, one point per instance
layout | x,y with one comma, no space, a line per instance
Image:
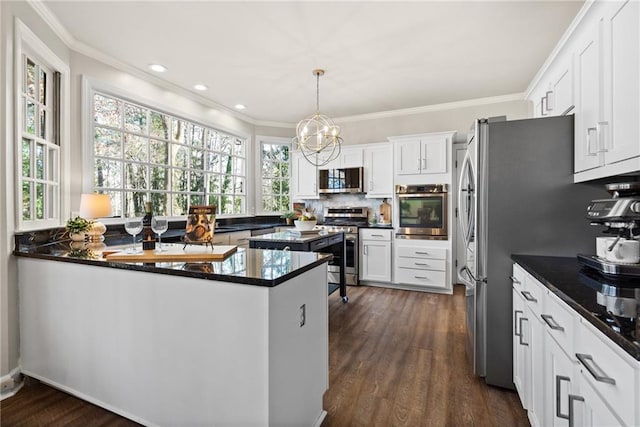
303,315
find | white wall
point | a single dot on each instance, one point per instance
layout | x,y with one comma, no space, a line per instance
354,131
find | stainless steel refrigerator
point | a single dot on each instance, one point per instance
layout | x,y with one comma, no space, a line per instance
516,196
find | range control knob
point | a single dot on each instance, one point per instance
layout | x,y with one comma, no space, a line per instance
635,207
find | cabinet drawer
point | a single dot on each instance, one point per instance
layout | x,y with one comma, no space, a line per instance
422,264
318,244
608,372
421,252
559,320
533,294
334,239
410,276
518,278
373,234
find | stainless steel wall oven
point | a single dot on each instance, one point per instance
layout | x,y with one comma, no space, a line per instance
422,211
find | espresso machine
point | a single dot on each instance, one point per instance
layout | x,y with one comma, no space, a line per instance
620,216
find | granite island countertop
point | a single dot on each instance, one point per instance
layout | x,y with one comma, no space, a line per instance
260,267
578,286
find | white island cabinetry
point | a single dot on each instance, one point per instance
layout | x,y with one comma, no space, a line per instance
171,350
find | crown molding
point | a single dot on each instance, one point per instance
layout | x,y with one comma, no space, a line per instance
53,22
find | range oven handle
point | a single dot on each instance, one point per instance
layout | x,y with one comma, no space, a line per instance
351,238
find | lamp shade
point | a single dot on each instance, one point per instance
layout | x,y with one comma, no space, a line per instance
95,206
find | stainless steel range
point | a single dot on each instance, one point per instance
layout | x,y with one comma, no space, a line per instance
347,220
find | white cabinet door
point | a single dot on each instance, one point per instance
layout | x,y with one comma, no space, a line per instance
588,409
408,157
560,98
304,178
520,348
588,131
536,368
622,85
351,157
378,171
559,384
434,154
376,261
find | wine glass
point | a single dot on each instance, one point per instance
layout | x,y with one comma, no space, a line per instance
133,226
159,224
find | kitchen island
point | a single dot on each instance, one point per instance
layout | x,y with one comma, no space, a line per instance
243,341
332,242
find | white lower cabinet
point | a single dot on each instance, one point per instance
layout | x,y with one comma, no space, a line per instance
375,255
423,266
566,372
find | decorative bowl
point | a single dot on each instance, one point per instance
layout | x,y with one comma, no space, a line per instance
305,225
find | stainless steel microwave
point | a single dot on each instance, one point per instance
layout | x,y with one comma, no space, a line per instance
422,211
343,180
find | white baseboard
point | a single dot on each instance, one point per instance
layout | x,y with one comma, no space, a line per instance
11,383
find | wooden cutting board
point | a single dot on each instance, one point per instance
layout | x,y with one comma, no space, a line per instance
177,253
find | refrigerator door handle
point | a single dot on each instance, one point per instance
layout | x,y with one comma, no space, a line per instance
466,216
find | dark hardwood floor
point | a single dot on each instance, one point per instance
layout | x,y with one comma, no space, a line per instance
396,358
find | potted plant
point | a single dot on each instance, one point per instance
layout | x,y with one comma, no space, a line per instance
289,216
77,228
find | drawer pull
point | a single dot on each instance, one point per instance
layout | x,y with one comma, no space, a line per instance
551,322
521,334
421,277
527,295
377,235
594,369
515,323
559,414
514,280
421,263
573,398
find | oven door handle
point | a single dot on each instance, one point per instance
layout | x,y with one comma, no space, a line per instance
351,239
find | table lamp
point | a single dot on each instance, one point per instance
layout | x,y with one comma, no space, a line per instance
94,206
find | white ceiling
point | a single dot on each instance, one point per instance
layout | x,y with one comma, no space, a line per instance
378,56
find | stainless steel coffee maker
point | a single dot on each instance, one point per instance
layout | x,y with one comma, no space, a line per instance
621,217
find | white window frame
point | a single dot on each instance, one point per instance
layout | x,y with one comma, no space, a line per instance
92,87
258,167
26,42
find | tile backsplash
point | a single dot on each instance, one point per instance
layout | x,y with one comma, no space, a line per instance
344,200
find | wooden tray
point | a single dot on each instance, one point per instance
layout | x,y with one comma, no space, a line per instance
176,253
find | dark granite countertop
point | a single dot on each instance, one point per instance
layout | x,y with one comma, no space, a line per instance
246,266
287,237
579,286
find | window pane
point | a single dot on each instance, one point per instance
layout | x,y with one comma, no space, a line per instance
30,118
136,176
43,87
225,164
197,136
196,199
213,162
285,187
225,142
238,166
108,143
227,204
159,178
26,200
238,205
135,148
107,111
39,161
179,156
178,129
197,159
267,186
116,203
214,183
179,180
26,157
51,200
160,203
238,147
179,204
226,184
52,165
214,199
39,200
30,81
158,150
134,203
160,125
135,119
43,124
212,140
267,203
284,152
238,186
108,174
197,181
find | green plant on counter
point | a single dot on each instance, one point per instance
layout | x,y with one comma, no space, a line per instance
78,225
84,253
289,215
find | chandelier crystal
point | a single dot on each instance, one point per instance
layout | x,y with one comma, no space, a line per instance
317,137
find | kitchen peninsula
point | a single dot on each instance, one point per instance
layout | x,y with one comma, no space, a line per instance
243,341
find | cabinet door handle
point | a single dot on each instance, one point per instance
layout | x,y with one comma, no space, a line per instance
527,295
543,106
515,323
551,322
424,163
418,160
364,250
559,379
589,152
514,280
549,97
573,398
602,145
594,369
521,334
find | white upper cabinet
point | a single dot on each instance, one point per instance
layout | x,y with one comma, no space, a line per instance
421,154
554,95
378,170
349,157
304,178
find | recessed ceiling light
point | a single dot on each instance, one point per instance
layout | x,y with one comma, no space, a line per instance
240,107
158,68
200,87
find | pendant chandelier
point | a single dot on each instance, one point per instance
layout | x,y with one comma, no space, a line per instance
317,137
